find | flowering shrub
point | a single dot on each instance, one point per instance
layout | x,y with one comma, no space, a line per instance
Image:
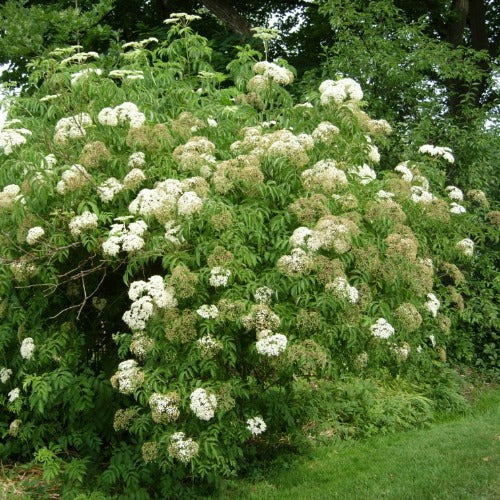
176,256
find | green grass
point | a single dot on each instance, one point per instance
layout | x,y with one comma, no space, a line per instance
457,459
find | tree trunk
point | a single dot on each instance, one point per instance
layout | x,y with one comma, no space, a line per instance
228,14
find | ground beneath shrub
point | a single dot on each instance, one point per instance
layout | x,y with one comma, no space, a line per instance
458,459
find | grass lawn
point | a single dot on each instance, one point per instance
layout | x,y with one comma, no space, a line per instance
458,459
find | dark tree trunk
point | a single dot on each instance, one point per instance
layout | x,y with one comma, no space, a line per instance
229,15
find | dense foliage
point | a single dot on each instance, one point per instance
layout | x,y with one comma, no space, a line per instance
198,267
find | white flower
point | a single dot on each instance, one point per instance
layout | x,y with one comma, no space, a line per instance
256,425
466,246
5,374
402,168
219,276
10,138
83,74
271,345
373,154
341,288
181,448
420,195
444,152
365,173
27,348
109,188
432,304
382,329
189,203
136,160
433,340
134,178
381,194
208,311
14,394
72,127
263,294
211,122
203,404
455,208
108,116
454,193
34,234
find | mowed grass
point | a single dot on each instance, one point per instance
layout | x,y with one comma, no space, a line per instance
457,459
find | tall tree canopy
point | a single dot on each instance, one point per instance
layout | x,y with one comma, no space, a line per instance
422,62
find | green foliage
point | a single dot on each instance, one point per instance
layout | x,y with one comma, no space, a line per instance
187,267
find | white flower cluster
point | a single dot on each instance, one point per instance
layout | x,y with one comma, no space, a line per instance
72,127
128,239
212,122
80,57
208,345
444,152
9,195
147,295
189,203
34,234
339,91
373,154
382,329
196,154
325,132
5,374
140,44
203,404
141,344
72,179
401,351
208,311
50,97
12,137
14,394
454,193
134,178
365,173
432,304
125,112
421,195
269,344
297,262
169,198
457,209
219,276
278,144
84,74
49,161
136,160
384,195
263,295
164,407
466,246
403,169
108,189
265,71
128,74
181,448
324,176
27,348
80,223
256,425
342,290
128,377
